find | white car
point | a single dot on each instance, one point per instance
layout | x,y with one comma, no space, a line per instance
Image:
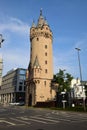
16,103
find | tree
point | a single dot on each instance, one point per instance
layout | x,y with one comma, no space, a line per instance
64,80
63,94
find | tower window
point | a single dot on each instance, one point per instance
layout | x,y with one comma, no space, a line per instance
37,39
46,28
45,83
45,61
33,29
45,70
45,53
45,46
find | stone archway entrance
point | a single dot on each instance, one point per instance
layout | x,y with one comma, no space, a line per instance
31,94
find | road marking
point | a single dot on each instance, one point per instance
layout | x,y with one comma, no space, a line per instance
7,122
61,119
44,119
20,121
23,118
71,117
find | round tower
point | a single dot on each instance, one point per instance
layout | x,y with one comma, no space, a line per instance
41,61
41,46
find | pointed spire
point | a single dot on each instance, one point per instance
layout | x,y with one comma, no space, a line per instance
41,12
45,21
41,16
40,20
33,24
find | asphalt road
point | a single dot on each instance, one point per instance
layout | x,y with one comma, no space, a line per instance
22,118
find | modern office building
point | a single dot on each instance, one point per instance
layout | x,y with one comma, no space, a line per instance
13,86
40,70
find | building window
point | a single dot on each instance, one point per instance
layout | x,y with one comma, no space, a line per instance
45,53
20,83
24,82
45,70
37,39
45,61
46,28
45,46
45,83
22,77
22,72
24,88
20,88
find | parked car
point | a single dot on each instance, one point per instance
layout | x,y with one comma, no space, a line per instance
16,103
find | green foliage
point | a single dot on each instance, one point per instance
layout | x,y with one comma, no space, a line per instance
64,80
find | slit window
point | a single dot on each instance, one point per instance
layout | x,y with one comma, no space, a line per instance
45,61
45,83
45,70
45,46
45,53
37,39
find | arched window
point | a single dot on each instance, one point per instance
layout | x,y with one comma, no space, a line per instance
45,61
45,46
45,53
37,39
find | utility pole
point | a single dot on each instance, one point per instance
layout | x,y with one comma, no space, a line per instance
78,49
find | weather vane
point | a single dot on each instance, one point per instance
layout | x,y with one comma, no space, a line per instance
1,40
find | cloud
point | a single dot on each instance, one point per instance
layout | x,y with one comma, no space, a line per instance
15,59
14,25
15,49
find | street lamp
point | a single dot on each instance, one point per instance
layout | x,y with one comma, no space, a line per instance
78,49
1,40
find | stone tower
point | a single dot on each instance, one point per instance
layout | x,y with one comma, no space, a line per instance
40,70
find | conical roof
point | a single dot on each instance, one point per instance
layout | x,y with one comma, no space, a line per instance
36,62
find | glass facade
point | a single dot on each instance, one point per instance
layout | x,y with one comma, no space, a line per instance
22,71
22,77
13,86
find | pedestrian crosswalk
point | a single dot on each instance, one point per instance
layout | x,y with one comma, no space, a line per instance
25,120
72,117
53,117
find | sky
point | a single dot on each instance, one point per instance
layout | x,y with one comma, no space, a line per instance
68,22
